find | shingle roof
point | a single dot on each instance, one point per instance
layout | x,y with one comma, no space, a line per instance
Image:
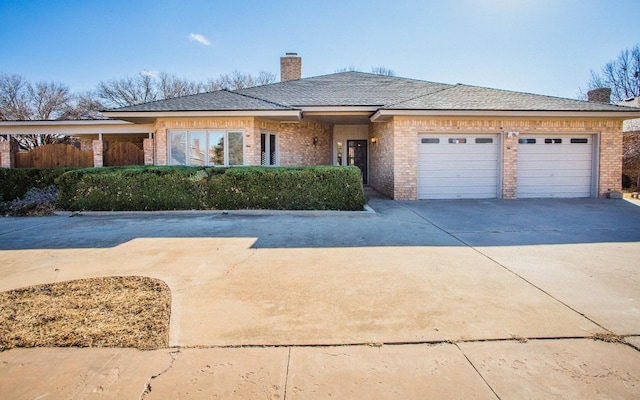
464,97
363,89
344,89
221,100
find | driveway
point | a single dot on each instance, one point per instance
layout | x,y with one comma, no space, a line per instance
474,299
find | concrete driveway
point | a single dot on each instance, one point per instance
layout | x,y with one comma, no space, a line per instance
447,299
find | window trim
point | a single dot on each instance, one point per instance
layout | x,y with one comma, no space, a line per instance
207,133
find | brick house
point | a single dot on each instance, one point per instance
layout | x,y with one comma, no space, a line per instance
412,139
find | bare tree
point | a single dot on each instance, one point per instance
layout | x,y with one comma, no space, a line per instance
14,98
379,70
48,100
622,75
84,106
265,78
20,101
128,91
170,86
145,87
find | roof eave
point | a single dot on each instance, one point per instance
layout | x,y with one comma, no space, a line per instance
386,114
72,127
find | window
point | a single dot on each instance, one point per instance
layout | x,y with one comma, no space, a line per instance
268,149
527,141
579,140
339,152
430,140
206,148
484,140
457,140
554,141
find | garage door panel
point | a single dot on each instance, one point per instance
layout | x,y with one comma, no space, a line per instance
544,158
461,170
544,173
555,170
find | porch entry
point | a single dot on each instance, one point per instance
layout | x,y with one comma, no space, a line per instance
357,155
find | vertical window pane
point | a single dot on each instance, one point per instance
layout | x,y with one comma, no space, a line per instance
339,153
236,148
272,149
216,148
178,148
263,149
197,146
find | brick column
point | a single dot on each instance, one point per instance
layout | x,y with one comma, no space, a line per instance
510,167
98,148
5,155
161,146
8,152
147,145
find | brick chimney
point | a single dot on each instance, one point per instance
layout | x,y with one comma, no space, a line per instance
600,95
290,67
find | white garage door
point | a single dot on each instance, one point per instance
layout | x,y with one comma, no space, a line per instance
458,166
556,166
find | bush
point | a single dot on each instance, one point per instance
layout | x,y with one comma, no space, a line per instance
15,182
302,188
35,202
169,188
132,189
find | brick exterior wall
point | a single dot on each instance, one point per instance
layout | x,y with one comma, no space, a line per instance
509,167
296,144
406,130
295,140
610,160
393,159
381,158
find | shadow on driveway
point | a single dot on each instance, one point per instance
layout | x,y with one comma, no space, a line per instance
405,223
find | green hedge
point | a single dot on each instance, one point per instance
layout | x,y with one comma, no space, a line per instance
15,182
185,188
132,189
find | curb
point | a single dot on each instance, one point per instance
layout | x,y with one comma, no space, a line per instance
367,212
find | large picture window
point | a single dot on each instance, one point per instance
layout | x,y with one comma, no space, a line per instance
206,148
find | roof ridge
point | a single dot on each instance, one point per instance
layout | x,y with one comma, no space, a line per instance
258,98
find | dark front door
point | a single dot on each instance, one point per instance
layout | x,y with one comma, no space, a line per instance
357,155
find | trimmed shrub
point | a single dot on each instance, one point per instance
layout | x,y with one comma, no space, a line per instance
15,182
169,188
282,188
132,189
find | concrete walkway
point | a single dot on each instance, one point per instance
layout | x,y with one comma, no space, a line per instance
427,299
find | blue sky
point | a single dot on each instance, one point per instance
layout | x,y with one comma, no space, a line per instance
537,46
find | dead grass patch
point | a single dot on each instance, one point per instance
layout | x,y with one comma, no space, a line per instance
130,311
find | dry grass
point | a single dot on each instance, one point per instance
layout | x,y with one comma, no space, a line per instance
98,312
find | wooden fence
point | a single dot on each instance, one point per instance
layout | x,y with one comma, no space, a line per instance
55,156
123,153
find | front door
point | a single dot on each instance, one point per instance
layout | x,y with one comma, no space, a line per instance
357,155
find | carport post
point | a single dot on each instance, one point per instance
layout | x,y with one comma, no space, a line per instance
7,155
98,156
